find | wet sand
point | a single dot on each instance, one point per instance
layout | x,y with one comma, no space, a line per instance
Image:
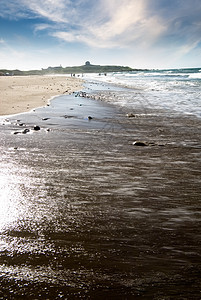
23,93
92,216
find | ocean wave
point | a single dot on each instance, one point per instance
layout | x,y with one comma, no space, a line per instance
195,75
160,88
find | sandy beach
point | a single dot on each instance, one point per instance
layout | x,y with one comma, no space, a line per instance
23,93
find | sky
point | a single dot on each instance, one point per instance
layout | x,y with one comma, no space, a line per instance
154,34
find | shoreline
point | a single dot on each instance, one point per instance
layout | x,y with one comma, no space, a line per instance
21,94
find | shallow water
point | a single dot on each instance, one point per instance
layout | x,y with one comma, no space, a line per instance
173,90
85,214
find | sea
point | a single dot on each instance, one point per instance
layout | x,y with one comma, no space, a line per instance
88,213
175,90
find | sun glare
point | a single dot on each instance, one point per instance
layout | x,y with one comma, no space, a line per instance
9,201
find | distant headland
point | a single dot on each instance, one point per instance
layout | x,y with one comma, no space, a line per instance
86,68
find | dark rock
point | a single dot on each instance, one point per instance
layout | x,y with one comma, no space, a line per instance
45,119
36,127
83,94
26,131
130,115
140,143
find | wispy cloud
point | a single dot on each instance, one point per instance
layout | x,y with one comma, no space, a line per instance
113,23
54,11
2,41
181,19
118,23
13,10
128,24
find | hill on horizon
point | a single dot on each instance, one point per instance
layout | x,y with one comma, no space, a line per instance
87,68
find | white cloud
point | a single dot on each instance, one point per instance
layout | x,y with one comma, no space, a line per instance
41,27
123,14
53,10
100,24
131,24
2,41
117,23
67,36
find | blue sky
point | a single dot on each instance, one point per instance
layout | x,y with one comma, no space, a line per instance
139,33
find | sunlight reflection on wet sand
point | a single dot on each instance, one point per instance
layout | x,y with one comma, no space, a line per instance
10,197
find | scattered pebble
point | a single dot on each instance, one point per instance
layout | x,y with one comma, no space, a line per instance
143,144
140,143
26,131
130,115
36,128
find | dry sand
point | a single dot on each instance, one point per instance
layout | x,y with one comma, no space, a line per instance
23,93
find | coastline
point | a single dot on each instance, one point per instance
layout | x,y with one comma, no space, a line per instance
21,94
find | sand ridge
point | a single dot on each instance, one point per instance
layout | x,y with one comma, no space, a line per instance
22,93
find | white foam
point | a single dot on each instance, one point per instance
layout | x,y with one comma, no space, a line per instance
159,89
195,75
